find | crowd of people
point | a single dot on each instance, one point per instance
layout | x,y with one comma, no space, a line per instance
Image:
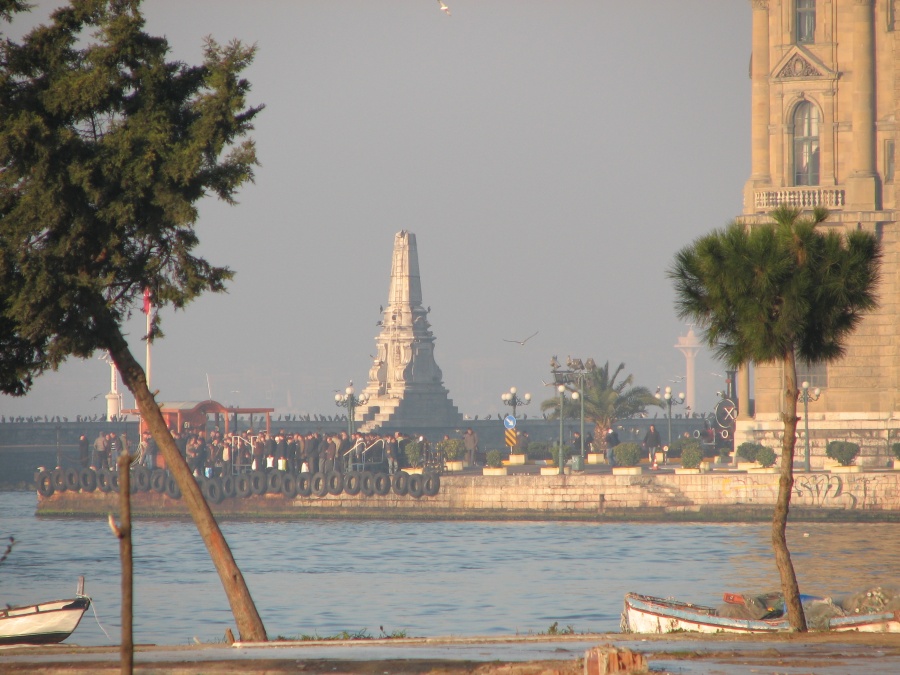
213,453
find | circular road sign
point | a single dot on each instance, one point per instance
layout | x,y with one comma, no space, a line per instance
509,422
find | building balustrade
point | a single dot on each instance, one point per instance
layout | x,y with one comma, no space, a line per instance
800,197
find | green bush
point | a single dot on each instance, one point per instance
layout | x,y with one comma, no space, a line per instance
494,458
628,454
724,454
538,450
554,453
676,447
896,448
413,452
453,448
691,456
843,452
748,451
765,457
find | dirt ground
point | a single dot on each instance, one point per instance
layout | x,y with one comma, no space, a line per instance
678,654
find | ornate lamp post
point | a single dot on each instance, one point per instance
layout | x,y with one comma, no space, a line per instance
511,398
349,401
670,400
576,371
805,397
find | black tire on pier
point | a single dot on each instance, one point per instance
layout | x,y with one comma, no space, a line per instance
273,482
352,480
431,484
212,490
367,486
228,487
382,484
400,483
58,479
140,479
113,480
44,482
319,484
304,484
416,485
335,482
242,485
258,482
158,480
73,480
88,479
289,485
103,480
172,488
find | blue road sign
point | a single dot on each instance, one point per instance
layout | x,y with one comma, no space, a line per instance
509,422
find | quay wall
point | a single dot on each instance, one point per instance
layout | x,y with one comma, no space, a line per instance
727,496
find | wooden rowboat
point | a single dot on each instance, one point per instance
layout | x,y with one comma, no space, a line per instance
43,623
647,614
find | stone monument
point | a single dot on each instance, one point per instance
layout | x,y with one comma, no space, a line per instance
405,389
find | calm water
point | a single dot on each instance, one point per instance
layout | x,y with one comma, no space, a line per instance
427,579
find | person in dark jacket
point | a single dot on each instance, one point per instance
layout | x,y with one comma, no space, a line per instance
652,442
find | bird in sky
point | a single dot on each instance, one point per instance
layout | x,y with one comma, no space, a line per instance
444,8
522,342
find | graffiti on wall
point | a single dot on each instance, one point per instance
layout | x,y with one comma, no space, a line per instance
863,491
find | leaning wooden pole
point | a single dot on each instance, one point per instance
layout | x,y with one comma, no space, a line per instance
249,624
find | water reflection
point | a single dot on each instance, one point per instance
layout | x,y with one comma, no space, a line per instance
323,577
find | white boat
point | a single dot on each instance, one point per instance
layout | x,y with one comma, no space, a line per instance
45,622
647,614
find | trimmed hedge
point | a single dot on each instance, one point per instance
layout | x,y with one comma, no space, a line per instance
843,452
628,454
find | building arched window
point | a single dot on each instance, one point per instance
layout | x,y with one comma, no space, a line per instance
806,144
805,16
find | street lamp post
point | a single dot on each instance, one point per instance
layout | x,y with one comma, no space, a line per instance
349,400
562,397
511,398
805,398
670,400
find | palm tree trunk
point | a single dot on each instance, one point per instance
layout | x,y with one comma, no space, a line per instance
789,587
249,623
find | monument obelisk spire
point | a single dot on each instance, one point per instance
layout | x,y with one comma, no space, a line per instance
405,388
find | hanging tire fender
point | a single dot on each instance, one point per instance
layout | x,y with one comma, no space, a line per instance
242,486
400,483
258,482
352,482
44,483
158,481
367,484
88,480
289,485
335,482
319,484
416,485
304,484
381,484
228,487
431,485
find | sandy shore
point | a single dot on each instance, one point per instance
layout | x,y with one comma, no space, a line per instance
684,654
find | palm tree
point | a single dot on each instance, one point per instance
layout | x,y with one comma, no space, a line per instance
605,400
774,293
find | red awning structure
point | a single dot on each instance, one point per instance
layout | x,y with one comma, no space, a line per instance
187,415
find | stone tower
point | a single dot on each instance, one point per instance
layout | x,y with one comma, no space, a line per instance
690,346
825,120
405,389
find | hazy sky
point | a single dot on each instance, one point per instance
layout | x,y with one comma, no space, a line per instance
549,156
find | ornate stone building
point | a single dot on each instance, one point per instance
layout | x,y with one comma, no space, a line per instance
405,389
825,78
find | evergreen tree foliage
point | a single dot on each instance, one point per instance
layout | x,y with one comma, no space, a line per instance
105,149
772,293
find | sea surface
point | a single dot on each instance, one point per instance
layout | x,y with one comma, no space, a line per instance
325,577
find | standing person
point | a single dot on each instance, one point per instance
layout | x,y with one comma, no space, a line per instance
99,452
470,440
390,452
84,451
112,451
612,440
652,442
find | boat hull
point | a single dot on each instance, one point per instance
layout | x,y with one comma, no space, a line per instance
44,623
646,614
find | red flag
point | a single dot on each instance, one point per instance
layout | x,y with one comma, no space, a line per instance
147,304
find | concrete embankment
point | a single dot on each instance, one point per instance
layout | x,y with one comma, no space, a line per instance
657,495
682,653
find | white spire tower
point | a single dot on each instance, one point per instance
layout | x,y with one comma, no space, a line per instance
113,398
689,345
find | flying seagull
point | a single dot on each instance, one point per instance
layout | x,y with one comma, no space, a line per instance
444,8
522,342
